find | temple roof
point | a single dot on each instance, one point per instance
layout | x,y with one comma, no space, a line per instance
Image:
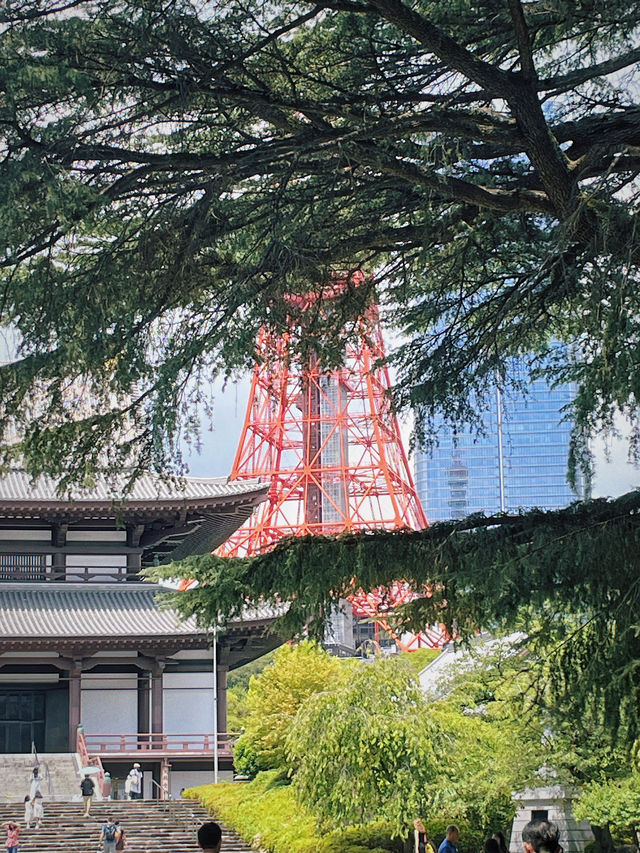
18,489
79,610
37,614
166,519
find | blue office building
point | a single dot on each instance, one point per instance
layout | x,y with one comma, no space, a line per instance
520,461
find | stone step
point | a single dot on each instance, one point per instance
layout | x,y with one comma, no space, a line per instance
59,773
151,826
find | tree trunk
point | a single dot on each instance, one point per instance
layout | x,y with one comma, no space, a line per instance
603,838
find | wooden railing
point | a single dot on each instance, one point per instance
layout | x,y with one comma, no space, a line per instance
178,744
104,574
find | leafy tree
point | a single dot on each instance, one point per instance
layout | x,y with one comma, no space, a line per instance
503,684
613,805
377,759
569,578
390,754
485,705
236,708
171,175
237,690
240,677
274,697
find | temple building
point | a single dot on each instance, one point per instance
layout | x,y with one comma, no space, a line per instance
90,662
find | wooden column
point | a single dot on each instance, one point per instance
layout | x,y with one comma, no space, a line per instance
156,699
165,779
58,558
75,710
143,702
221,683
134,559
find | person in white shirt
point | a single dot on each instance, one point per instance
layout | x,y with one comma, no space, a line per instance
134,782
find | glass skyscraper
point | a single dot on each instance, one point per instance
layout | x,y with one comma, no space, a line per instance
519,463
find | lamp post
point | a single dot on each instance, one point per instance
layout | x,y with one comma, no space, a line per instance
215,704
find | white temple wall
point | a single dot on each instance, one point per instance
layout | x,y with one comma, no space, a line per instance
194,654
109,703
42,536
111,563
94,536
191,778
188,702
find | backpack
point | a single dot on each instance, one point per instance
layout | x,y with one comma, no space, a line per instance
110,830
87,786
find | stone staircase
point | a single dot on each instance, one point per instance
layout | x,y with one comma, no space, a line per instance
151,826
59,772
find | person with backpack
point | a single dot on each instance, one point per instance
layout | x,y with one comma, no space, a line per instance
109,836
121,843
87,787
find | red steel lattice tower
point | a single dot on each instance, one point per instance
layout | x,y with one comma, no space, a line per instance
328,444
330,447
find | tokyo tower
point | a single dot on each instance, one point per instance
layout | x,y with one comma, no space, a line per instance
329,445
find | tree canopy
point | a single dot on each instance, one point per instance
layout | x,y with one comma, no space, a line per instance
276,694
172,175
377,760
568,578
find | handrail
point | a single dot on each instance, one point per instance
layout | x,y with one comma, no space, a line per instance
165,791
89,760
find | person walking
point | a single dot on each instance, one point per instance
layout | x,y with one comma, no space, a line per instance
135,782
421,839
87,788
37,809
35,784
121,843
106,786
450,842
28,812
13,833
109,835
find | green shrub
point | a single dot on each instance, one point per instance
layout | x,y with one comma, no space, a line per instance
472,838
245,757
358,839
264,812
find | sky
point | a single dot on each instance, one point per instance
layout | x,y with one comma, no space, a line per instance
220,438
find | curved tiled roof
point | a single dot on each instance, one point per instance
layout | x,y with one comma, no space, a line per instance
17,486
42,611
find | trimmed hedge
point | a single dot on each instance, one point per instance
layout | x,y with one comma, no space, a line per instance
264,812
267,815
